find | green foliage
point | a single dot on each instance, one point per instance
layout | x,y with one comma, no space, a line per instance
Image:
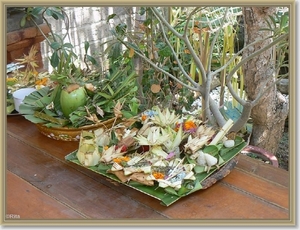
278,24
62,57
116,87
211,149
153,46
109,89
150,42
87,56
37,101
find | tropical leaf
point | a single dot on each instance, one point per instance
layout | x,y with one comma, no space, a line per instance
34,119
211,149
50,118
36,101
171,191
106,96
238,140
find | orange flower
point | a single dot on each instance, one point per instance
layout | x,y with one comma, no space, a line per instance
117,160
158,175
189,126
125,158
144,117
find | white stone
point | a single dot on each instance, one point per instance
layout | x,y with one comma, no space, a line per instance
228,143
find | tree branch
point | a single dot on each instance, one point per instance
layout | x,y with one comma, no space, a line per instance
256,53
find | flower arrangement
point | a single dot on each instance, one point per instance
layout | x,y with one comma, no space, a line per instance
27,78
158,149
80,94
90,102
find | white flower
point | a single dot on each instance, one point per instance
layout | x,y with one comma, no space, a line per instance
133,169
207,160
185,172
154,137
158,151
175,139
165,118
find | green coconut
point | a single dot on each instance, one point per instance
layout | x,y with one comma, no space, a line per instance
71,98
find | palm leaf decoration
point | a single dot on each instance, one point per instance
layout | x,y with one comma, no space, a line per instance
36,107
168,195
116,87
43,106
35,101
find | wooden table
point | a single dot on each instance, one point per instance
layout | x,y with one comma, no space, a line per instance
41,185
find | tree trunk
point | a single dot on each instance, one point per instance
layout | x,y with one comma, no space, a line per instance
270,113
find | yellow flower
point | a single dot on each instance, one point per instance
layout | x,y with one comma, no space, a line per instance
120,159
11,80
42,81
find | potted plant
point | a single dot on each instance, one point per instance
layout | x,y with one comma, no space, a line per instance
203,34
184,51
77,98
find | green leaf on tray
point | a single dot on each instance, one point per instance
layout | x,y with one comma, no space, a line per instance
168,195
171,191
211,149
183,190
199,169
238,140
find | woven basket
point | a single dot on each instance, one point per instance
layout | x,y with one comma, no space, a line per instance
71,134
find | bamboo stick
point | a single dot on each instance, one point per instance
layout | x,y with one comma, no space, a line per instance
222,132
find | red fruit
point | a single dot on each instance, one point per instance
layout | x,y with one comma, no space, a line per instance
123,148
143,148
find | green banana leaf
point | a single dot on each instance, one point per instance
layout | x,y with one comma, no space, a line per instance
35,101
38,101
168,195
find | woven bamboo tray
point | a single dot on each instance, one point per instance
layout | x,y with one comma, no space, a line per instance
71,134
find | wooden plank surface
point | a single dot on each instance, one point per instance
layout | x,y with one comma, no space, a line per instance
37,163
29,202
69,186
